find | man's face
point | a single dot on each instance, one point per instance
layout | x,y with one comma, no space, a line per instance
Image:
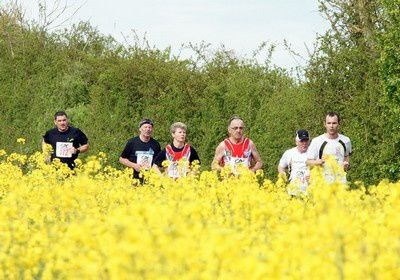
61,123
179,135
302,145
146,130
236,129
332,125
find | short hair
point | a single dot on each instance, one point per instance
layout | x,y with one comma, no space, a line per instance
176,125
333,114
234,117
59,114
145,121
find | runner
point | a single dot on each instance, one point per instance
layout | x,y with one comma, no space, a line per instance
236,149
332,144
294,161
178,154
67,141
140,151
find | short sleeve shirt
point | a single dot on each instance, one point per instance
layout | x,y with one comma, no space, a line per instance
141,152
63,141
322,145
295,162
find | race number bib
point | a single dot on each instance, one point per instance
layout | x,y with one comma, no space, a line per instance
144,158
64,149
300,180
235,162
176,170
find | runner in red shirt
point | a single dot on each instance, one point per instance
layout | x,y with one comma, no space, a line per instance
236,149
176,151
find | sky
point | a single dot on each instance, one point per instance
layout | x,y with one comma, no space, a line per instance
240,26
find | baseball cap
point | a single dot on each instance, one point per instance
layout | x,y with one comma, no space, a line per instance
302,135
145,121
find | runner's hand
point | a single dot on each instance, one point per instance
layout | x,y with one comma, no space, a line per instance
137,167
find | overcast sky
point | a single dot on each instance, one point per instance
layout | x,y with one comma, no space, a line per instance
238,25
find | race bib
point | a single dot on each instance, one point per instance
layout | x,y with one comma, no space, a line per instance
235,162
176,170
64,149
144,158
300,180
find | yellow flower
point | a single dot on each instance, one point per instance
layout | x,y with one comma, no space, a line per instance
100,223
21,141
2,152
165,163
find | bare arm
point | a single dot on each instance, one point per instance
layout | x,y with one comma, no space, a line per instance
82,149
281,170
346,163
219,153
157,169
129,163
257,158
314,162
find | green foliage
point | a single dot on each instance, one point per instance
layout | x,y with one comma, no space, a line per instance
106,88
390,55
346,76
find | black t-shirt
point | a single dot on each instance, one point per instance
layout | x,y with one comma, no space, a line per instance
61,142
144,150
162,156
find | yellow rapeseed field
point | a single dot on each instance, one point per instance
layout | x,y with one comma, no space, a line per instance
100,224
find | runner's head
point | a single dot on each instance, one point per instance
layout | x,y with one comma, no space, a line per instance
146,128
334,114
236,128
61,121
331,123
178,131
302,140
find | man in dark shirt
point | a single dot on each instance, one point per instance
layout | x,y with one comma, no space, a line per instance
140,151
67,141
